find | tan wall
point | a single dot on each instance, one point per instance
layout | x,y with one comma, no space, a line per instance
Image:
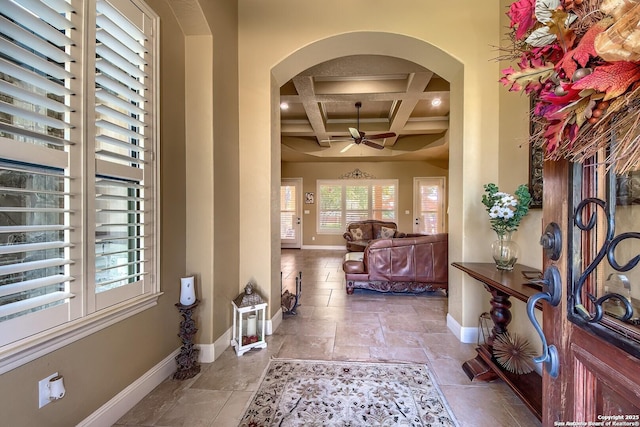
98,367
212,165
404,172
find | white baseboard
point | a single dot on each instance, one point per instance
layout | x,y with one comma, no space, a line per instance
120,404
210,352
328,247
464,334
274,322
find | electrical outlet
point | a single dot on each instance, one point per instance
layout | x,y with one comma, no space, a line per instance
43,391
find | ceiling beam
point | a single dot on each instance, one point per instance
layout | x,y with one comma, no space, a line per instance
304,87
415,90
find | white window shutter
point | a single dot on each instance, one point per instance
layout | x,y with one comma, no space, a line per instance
123,171
36,200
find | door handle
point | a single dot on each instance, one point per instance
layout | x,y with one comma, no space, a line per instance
551,292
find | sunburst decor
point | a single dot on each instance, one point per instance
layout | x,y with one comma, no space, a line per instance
513,353
580,62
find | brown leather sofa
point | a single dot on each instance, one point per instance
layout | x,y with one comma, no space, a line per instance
360,233
408,264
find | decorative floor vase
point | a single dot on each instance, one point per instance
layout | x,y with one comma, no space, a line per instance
505,251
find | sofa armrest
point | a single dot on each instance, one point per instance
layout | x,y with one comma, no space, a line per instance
353,267
347,236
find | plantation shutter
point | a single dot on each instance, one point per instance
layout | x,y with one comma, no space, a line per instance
344,201
37,197
383,202
288,211
431,209
330,208
357,203
123,130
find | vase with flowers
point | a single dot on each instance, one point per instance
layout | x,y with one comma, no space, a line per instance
505,213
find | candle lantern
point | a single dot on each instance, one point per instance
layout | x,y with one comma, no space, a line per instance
249,318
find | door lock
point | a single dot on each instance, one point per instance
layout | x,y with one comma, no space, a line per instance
551,241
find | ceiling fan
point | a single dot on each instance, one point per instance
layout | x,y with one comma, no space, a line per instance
359,137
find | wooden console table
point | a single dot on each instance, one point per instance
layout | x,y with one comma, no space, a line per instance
502,285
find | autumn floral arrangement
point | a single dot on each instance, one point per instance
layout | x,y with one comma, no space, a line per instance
580,61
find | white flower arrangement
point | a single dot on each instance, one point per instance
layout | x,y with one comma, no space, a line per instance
506,210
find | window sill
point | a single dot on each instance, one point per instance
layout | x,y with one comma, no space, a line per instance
19,353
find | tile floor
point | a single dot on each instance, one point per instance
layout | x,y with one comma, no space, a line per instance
331,325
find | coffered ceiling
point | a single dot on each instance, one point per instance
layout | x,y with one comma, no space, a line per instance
396,95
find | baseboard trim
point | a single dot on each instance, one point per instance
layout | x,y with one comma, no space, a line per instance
464,334
210,352
274,322
326,247
109,413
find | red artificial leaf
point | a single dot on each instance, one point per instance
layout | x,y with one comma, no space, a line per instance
553,135
522,15
585,49
613,79
571,95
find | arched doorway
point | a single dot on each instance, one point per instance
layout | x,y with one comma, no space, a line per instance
392,45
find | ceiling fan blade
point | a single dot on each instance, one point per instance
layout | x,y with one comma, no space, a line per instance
372,144
382,135
355,134
347,148
343,139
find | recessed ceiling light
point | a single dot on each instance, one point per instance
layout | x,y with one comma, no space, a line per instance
284,106
436,101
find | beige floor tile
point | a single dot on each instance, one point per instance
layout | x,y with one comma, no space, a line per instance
351,353
232,411
399,354
195,408
478,407
363,334
306,347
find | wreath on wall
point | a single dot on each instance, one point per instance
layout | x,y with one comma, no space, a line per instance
580,62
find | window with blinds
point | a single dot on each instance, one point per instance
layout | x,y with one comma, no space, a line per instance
76,230
341,202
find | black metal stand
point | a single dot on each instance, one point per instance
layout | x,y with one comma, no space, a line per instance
187,360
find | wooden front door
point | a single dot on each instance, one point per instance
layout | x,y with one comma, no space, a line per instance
598,372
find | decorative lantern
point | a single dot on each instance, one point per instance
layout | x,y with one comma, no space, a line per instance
249,318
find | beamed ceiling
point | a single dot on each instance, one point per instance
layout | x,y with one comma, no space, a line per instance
396,95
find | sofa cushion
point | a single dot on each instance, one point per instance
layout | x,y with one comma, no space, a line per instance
377,228
357,233
387,232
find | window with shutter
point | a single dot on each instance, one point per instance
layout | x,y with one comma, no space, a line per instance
77,169
342,202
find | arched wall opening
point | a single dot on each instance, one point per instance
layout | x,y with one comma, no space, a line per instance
388,44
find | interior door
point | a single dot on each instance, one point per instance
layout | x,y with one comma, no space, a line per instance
290,213
598,370
429,205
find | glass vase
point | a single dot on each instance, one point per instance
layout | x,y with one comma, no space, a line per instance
505,251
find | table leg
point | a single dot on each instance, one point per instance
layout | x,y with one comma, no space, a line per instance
500,314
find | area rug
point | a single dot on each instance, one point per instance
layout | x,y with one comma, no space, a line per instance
332,393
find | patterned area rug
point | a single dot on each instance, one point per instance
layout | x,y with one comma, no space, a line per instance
330,393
